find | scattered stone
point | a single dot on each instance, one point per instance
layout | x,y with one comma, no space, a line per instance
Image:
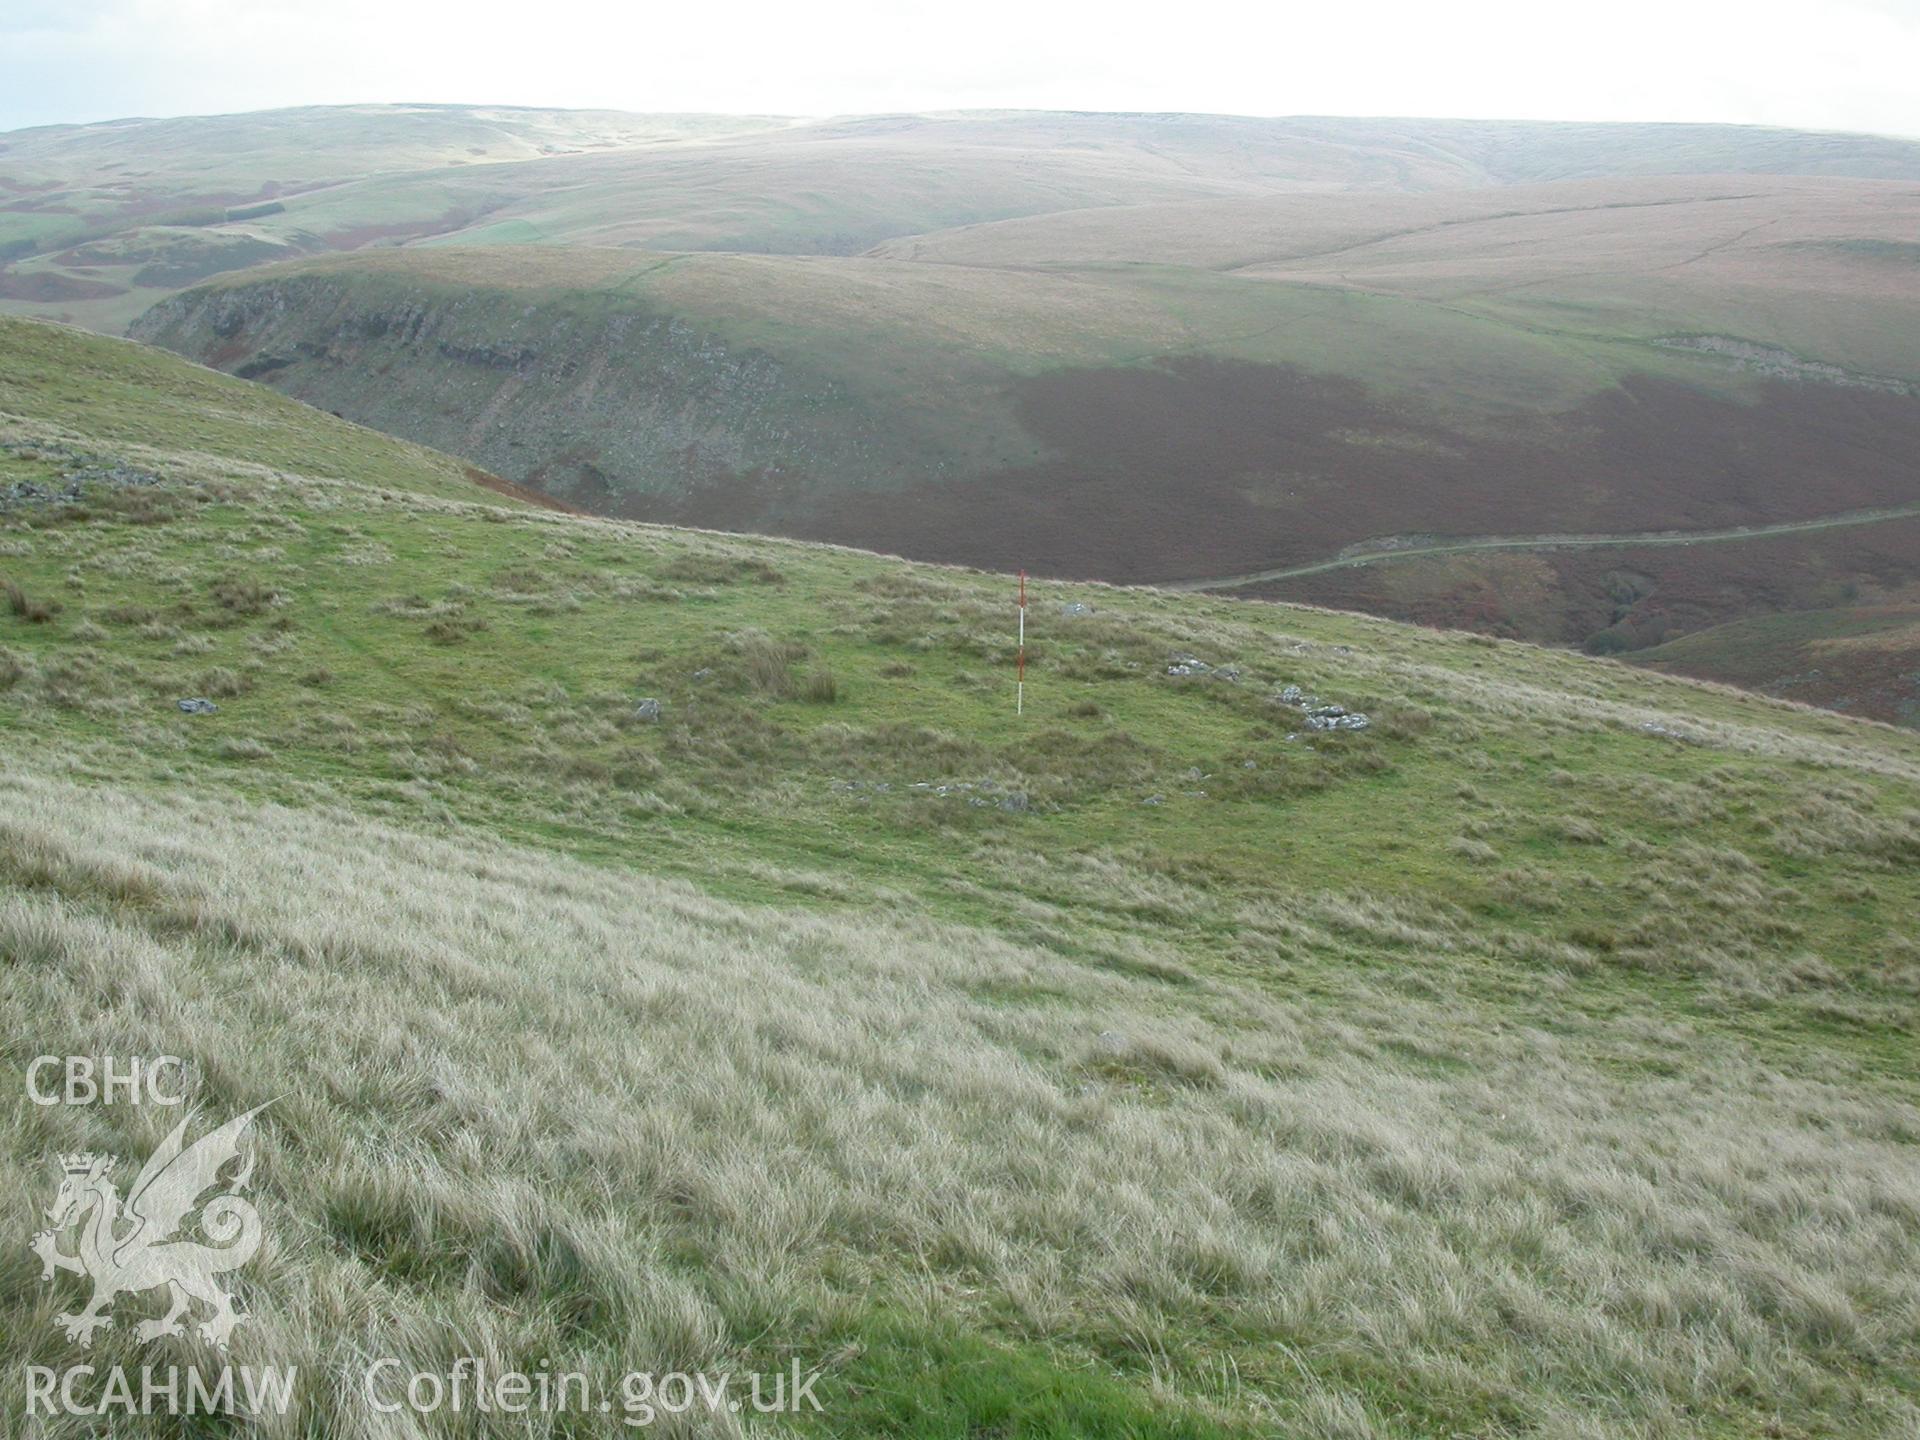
82,469
647,711
1654,727
1154,800
1015,801
1320,716
1781,364
1182,666
26,492
198,706
1332,717
1072,609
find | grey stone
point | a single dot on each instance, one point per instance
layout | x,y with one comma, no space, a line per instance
1333,717
1182,665
648,710
1654,727
198,706
82,470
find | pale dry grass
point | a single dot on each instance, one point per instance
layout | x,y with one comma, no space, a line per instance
530,1107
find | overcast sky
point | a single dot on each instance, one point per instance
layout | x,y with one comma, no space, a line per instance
1827,64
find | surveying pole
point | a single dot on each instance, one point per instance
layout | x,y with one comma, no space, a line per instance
1020,663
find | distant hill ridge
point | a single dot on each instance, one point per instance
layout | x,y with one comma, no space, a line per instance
1123,346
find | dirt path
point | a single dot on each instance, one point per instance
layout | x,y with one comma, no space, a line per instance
1361,555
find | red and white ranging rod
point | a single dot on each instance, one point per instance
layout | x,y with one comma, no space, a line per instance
1020,665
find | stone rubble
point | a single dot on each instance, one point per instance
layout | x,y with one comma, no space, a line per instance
1654,727
80,470
1182,666
1320,715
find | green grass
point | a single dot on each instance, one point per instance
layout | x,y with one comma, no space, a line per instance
69,383
933,1381
1543,1052
462,650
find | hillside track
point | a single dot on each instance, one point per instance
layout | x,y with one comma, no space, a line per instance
1375,552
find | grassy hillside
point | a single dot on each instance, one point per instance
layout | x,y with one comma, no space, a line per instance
129,397
1192,391
1861,658
1115,346
875,372
1820,268
1536,1058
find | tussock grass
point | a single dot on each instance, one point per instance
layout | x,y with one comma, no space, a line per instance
818,686
24,607
241,594
1538,1061
696,568
801,1101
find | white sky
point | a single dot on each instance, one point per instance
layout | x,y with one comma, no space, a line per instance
1823,64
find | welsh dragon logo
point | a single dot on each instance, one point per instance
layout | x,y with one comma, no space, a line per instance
141,1244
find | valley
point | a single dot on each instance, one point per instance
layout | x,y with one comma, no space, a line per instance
996,723
1134,348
